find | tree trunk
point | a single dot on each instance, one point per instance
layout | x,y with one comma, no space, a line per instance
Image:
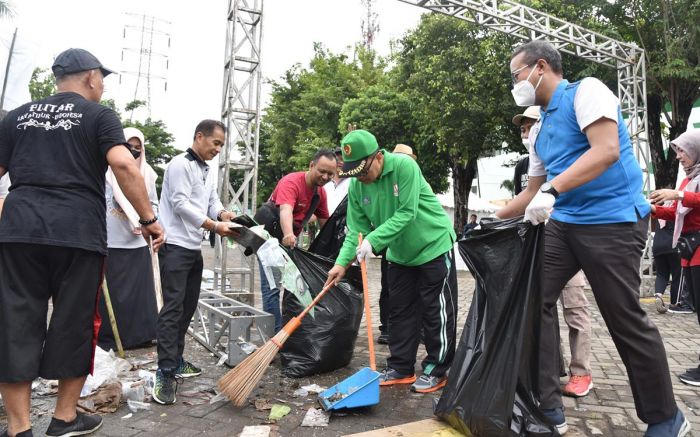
462,178
665,167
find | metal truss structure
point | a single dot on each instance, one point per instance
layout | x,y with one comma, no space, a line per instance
525,23
238,161
228,327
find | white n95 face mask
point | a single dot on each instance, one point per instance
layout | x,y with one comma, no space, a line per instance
524,92
526,143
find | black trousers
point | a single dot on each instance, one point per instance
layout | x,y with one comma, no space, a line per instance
692,277
423,296
668,268
384,298
181,279
609,255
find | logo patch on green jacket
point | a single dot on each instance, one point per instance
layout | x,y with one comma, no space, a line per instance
366,200
396,190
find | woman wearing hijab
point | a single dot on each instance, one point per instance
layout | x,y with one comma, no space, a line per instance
685,212
128,268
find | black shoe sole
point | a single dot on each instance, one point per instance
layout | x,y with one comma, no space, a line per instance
74,433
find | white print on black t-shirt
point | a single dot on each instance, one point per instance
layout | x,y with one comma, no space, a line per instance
60,114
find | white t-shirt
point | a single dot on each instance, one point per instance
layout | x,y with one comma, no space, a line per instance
335,193
592,102
4,185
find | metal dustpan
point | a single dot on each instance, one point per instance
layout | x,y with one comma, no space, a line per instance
362,388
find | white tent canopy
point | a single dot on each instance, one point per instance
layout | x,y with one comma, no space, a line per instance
476,203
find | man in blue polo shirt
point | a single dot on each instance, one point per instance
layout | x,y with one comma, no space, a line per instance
584,178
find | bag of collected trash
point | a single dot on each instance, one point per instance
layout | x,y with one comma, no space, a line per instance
492,384
326,339
330,239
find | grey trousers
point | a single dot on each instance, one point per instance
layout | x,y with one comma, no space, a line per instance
609,255
578,320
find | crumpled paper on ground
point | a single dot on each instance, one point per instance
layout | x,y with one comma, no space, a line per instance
105,400
316,417
106,367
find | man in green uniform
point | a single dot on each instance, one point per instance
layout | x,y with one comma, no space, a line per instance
392,205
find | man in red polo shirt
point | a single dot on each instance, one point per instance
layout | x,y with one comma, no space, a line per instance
294,196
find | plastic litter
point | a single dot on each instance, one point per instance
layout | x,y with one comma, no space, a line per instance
136,406
316,417
313,388
493,378
278,411
134,392
106,367
255,431
273,259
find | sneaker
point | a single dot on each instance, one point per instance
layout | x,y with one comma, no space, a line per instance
691,377
660,305
390,376
187,369
681,308
27,433
383,338
165,387
81,425
428,384
578,386
676,426
555,416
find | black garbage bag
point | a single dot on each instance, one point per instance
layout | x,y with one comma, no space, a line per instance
329,241
491,389
326,338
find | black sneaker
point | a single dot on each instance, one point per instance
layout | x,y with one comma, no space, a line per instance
681,308
690,378
390,376
81,425
165,387
187,369
27,433
555,416
383,338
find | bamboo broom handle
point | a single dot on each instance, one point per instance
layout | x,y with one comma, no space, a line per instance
368,315
155,264
112,319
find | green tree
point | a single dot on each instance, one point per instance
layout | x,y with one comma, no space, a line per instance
457,77
305,107
668,31
42,84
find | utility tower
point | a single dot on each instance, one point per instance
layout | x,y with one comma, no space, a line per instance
144,73
370,24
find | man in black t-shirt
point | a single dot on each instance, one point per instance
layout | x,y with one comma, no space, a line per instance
53,238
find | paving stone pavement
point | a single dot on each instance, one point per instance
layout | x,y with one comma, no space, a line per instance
608,410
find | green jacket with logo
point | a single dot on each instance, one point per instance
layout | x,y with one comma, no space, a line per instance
399,212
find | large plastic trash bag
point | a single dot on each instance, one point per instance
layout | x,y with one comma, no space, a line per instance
326,339
332,235
492,384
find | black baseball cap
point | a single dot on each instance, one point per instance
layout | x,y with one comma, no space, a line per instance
76,60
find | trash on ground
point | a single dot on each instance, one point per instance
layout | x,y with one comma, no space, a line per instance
246,347
196,397
300,393
106,367
313,388
128,416
255,431
278,411
218,398
105,399
136,406
45,387
262,404
134,391
222,360
316,417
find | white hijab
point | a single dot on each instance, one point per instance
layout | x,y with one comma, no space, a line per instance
149,175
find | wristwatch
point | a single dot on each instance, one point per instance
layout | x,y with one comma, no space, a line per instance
549,189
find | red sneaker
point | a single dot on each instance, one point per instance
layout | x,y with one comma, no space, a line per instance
578,386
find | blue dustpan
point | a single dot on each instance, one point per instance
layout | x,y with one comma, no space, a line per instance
362,388
359,390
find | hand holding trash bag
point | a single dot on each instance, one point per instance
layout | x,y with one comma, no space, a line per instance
539,208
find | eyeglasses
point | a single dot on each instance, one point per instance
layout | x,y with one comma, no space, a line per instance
514,74
365,170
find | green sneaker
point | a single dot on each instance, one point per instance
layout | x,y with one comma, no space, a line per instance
187,369
165,387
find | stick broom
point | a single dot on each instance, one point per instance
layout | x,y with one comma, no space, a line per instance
156,276
112,319
240,381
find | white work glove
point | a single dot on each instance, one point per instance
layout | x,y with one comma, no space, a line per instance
364,251
539,208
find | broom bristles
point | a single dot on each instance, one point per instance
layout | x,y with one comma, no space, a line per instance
238,383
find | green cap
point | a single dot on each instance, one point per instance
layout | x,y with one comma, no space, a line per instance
357,146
